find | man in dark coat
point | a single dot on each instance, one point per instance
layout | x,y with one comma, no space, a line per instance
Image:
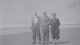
36,29
44,28
55,23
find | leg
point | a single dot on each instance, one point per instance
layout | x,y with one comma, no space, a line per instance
47,37
56,41
33,36
42,37
52,32
39,36
57,35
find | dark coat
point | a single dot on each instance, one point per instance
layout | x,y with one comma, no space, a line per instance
55,28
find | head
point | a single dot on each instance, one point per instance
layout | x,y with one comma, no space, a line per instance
36,15
45,14
53,15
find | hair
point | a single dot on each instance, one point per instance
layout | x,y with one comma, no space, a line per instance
45,12
53,14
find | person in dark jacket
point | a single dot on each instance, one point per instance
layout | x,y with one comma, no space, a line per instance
55,31
36,28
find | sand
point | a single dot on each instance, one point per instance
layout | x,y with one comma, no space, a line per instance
68,36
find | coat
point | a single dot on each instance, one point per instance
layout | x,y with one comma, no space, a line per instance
44,23
55,28
44,28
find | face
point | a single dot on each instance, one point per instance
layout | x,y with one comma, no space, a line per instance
45,13
53,15
35,14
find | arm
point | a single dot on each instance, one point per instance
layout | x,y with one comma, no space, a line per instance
32,23
58,22
49,21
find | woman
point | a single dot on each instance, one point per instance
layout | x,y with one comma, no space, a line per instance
54,22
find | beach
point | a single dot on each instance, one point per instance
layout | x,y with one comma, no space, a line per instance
68,36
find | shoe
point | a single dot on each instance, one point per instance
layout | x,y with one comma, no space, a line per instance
55,43
33,42
39,42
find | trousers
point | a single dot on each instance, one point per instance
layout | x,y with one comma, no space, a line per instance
44,34
36,33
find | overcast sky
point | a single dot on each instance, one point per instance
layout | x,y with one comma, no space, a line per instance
21,11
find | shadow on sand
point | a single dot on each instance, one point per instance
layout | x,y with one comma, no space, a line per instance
63,42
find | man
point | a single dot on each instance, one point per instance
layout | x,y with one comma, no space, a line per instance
55,23
44,28
36,29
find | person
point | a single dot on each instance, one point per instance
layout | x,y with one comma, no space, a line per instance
55,31
44,28
36,28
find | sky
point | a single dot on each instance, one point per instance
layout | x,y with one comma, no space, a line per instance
21,11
